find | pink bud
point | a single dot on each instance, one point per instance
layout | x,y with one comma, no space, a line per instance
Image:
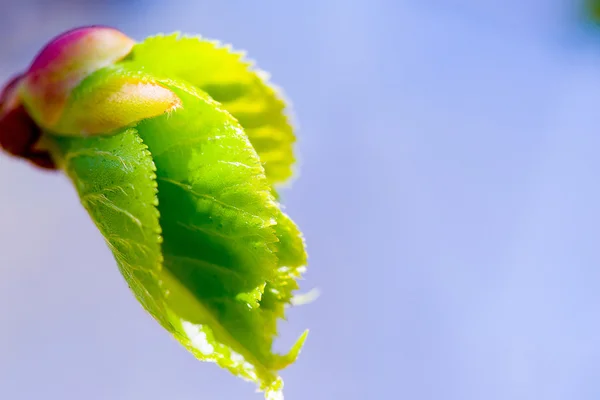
64,63
68,90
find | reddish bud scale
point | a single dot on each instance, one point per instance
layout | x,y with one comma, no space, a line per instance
18,132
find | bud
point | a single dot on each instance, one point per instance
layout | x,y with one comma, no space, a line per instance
64,63
59,95
113,101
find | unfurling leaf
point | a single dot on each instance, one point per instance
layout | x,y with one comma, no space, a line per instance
236,84
174,147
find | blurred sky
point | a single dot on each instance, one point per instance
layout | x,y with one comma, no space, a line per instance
448,193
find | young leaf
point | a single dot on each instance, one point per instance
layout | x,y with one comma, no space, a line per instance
116,182
184,204
242,90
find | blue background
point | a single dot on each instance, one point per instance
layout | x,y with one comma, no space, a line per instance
448,192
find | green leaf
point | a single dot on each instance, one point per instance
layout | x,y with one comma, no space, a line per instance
184,203
115,179
242,89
